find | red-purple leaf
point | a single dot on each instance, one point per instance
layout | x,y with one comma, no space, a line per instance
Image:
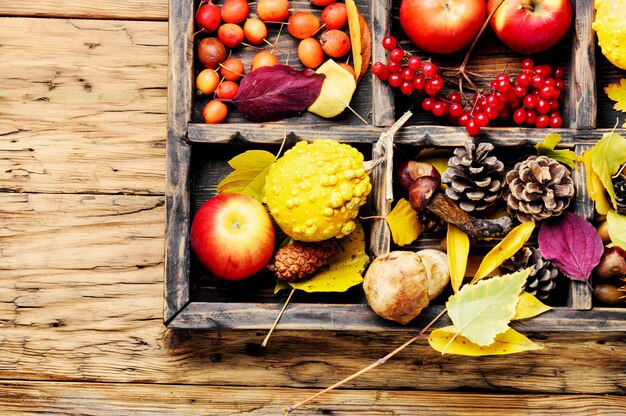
572,244
275,92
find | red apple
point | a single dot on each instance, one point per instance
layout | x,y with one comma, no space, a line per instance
232,236
531,26
442,26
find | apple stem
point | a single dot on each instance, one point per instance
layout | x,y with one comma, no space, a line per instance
526,7
482,30
280,314
375,364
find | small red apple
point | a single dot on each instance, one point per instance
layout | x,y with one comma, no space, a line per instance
442,26
232,236
531,26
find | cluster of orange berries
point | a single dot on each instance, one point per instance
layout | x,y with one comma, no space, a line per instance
234,26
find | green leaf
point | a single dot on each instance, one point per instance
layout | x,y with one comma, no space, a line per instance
505,249
458,253
483,310
345,267
607,156
403,223
529,306
251,169
564,156
617,228
509,342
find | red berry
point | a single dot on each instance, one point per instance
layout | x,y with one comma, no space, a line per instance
407,88
429,69
394,66
384,74
559,84
472,128
455,97
415,63
554,104
481,119
531,117
377,67
389,42
519,116
519,91
543,106
428,103
395,79
559,73
408,74
527,64
492,100
464,119
556,122
439,108
523,79
491,112
547,92
396,55
543,121
434,85
549,82
456,109
530,101
538,81
419,82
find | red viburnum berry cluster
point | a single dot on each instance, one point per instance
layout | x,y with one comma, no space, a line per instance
533,97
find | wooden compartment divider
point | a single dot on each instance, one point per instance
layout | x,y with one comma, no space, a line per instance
185,304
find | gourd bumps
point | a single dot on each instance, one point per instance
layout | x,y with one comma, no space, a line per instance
315,190
609,26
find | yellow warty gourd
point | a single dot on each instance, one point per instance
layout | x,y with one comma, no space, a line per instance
315,190
610,26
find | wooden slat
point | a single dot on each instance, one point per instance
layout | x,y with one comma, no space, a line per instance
383,111
142,399
582,85
83,106
105,9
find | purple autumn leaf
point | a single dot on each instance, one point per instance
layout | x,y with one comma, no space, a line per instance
275,92
572,244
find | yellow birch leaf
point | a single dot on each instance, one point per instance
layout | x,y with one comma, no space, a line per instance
403,223
595,187
564,156
617,93
361,39
607,157
504,249
509,342
529,306
337,90
617,228
458,252
248,178
345,267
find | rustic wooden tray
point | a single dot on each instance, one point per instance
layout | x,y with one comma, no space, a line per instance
197,155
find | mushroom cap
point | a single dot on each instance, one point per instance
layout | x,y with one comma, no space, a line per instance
437,271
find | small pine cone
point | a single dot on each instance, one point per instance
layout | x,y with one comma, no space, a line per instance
473,177
430,221
542,280
538,188
620,194
295,262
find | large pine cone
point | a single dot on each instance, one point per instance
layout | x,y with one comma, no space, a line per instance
542,280
538,188
473,177
620,194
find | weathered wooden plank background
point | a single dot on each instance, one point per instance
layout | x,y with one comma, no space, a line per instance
82,162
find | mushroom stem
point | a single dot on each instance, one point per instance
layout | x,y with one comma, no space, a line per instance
449,211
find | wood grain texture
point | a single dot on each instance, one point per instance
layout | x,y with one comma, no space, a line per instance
142,399
77,9
83,106
383,110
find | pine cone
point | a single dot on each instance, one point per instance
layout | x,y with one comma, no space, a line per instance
538,188
473,177
620,194
542,280
294,262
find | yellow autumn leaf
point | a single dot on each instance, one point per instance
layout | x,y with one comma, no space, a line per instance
509,342
617,93
345,267
564,156
458,252
337,90
617,228
607,157
248,178
595,187
504,249
529,306
403,223
361,39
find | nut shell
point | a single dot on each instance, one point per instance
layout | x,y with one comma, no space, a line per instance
396,286
422,190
